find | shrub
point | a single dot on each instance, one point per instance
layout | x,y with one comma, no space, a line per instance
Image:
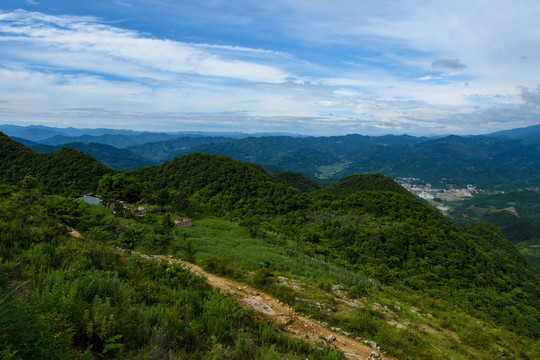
325,285
262,277
357,291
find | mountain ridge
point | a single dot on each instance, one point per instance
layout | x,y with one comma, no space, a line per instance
65,170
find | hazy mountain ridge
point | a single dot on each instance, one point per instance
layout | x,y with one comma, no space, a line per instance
40,132
116,140
170,149
524,132
496,162
459,160
113,157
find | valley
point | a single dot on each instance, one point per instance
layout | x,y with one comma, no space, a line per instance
439,198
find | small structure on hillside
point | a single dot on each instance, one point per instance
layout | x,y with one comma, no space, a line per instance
183,222
141,211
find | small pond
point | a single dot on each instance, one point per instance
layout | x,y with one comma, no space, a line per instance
91,200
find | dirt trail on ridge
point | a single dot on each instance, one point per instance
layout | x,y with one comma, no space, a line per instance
269,308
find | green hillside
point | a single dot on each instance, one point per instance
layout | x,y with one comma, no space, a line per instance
115,158
516,214
297,181
65,297
367,231
374,182
222,185
64,171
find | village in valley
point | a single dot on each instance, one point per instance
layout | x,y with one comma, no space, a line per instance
439,198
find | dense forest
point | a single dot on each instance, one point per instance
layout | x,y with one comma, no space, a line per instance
516,214
65,171
364,233
115,158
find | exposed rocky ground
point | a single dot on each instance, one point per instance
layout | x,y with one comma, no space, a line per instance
268,307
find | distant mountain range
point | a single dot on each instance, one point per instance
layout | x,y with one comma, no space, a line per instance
531,133
504,160
43,134
113,157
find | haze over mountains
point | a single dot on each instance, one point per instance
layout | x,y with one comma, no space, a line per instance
504,160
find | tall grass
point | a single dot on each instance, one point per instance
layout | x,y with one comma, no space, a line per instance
216,237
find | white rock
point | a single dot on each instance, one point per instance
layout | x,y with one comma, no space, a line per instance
331,338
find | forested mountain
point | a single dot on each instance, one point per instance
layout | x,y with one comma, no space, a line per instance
116,140
222,184
170,149
371,231
64,171
487,162
355,183
481,161
297,181
517,214
118,159
287,151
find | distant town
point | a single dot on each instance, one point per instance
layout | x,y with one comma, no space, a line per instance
436,197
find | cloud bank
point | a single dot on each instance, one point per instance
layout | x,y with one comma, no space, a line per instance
302,66
454,64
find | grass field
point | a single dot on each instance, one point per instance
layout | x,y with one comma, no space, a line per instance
216,237
328,171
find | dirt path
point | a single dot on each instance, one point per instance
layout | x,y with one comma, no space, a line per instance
268,307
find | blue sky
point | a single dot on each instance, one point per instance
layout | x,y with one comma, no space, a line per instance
301,66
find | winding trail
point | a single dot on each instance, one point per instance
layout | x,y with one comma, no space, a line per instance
268,307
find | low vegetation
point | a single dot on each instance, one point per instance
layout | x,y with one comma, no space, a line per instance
66,298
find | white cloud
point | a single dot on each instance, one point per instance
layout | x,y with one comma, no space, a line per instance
491,37
400,66
61,40
429,77
530,97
